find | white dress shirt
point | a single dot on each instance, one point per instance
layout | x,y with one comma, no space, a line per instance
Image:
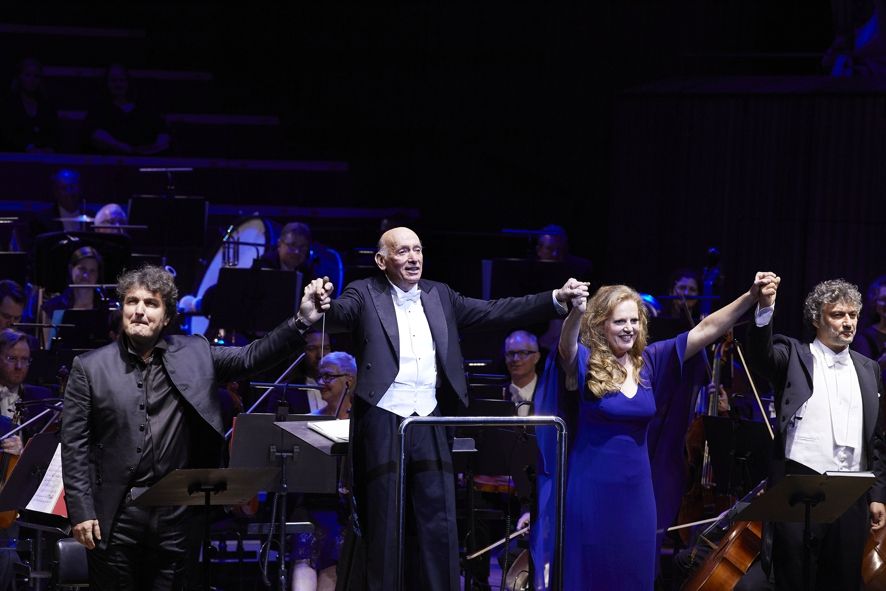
8,398
523,394
414,390
826,433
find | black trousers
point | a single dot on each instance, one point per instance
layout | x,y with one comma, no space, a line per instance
837,548
146,550
432,543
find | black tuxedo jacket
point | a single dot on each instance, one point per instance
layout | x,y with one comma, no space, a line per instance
366,310
788,363
101,438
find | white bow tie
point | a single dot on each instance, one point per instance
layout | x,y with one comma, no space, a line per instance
841,358
413,295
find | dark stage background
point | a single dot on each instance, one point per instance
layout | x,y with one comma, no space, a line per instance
650,130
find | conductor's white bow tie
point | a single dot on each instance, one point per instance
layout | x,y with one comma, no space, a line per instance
412,295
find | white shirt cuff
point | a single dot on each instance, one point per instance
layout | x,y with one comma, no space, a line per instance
764,315
562,309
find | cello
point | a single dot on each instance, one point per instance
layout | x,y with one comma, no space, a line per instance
742,543
736,550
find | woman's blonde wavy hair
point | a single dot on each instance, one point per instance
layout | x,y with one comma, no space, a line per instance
605,373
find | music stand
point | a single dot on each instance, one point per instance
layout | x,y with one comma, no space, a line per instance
256,443
737,447
819,498
15,266
489,407
177,219
254,300
53,250
207,487
24,481
255,434
90,329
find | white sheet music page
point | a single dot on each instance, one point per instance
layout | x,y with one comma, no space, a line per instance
49,497
337,430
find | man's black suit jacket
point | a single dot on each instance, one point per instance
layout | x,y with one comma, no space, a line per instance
101,439
788,364
366,310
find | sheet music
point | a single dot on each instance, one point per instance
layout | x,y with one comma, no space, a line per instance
48,498
337,430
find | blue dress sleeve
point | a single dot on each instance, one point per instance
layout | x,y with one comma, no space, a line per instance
551,399
674,380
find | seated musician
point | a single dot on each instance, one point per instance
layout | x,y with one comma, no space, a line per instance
109,218
292,252
521,353
317,346
12,303
15,360
316,554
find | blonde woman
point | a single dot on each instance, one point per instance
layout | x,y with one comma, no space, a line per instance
620,383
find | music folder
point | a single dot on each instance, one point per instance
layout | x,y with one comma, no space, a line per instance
35,486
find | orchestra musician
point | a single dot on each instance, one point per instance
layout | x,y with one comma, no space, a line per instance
15,360
141,407
316,553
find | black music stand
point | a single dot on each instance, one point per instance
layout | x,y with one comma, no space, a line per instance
257,443
53,250
207,487
739,449
170,219
254,436
91,329
818,498
24,481
489,407
254,300
14,265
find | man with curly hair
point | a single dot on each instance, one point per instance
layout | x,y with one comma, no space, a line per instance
827,399
139,408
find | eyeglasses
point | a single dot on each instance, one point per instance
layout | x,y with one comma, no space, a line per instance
522,354
295,247
26,361
328,377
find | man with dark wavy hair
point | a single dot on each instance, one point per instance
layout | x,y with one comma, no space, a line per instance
139,408
828,402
